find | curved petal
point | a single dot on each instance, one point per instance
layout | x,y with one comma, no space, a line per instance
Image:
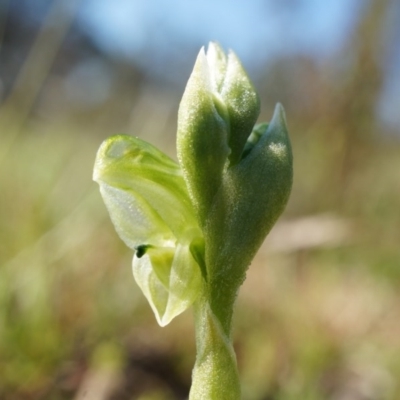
135,221
202,138
169,278
136,180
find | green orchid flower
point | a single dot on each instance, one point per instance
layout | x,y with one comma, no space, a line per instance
195,226
147,200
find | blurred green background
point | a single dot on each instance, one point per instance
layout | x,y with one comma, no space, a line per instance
319,314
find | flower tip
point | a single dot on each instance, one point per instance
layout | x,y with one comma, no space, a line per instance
279,109
113,148
163,321
201,64
214,47
99,162
279,118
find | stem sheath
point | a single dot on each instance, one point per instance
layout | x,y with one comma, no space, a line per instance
215,375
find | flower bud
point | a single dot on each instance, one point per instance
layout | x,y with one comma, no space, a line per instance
216,115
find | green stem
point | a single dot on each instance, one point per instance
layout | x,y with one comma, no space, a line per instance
215,375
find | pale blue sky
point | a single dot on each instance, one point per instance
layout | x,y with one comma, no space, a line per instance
152,32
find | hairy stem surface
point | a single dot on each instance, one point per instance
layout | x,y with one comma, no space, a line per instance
215,375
